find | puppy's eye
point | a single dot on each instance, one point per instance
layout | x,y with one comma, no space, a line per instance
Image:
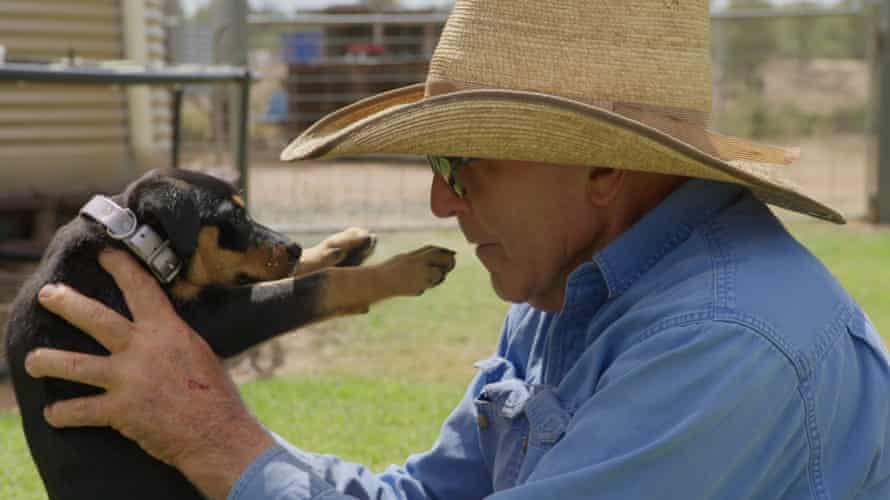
232,211
233,236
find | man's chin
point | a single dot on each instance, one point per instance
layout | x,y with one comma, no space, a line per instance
507,291
502,273
487,252
521,293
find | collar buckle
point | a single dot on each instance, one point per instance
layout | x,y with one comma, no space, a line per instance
121,224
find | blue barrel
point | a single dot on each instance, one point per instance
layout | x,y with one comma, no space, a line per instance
276,108
302,48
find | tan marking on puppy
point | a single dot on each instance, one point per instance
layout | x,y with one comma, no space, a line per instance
349,290
267,263
333,249
212,265
238,200
318,257
183,290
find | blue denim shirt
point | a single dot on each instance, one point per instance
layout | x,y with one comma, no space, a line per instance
703,354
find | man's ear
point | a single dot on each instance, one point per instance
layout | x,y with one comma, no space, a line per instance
172,207
603,185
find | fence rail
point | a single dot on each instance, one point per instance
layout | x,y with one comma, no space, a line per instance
795,77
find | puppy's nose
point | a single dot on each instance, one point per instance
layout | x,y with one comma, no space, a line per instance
294,251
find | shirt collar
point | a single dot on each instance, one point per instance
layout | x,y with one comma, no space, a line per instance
661,230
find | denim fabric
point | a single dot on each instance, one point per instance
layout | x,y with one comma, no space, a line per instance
703,354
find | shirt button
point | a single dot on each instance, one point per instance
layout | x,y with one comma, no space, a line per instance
482,421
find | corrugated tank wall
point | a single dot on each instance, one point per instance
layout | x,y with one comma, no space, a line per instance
64,138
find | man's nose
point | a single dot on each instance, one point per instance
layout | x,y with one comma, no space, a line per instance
443,201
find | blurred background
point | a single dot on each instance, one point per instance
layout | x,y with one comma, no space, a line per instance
793,73
95,92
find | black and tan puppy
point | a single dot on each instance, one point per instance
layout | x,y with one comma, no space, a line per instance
240,284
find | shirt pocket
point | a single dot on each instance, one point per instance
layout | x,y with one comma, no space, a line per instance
501,425
547,424
517,422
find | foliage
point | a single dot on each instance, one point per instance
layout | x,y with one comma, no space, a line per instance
749,115
833,37
749,42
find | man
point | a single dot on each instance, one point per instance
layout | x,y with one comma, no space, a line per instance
669,338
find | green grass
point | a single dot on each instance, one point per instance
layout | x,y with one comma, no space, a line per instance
437,336
18,477
374,422
380,384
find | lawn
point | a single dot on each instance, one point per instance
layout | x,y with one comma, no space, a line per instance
375,388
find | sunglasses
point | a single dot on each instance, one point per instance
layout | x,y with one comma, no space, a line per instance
447,167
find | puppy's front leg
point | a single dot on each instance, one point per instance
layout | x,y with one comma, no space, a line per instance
346,248
245,316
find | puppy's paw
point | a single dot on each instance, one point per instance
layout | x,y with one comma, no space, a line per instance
357,244
415,272
346,248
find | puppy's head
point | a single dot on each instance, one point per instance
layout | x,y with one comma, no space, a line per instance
209,228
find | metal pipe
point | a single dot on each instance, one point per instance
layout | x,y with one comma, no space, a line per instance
178,91
139,113
132,75
881,200
243,121
440,17
777,13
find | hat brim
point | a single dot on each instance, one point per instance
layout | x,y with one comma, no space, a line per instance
518,125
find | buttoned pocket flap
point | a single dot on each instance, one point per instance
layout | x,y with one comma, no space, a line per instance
547,418
508,396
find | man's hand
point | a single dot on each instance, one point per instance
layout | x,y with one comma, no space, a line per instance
164,386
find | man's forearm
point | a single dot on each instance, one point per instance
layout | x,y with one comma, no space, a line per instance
216,467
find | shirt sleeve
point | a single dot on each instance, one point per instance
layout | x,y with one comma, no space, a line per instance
710,410
453,468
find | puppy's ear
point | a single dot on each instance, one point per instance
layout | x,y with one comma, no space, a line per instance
171,206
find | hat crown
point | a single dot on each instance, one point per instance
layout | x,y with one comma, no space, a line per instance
642,52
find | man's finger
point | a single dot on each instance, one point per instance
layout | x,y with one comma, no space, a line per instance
91,316
143,294
74,366
91,411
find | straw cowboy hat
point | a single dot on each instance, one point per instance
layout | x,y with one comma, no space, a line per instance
613,83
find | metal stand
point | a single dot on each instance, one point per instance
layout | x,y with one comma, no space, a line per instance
175,76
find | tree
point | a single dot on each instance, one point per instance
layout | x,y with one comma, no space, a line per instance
750,42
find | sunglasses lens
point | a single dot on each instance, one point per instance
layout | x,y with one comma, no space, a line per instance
447,168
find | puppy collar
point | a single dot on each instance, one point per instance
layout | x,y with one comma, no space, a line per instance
142,240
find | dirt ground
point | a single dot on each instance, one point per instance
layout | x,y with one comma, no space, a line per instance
312,199
834,170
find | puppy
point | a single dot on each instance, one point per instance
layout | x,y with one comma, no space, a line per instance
234,281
